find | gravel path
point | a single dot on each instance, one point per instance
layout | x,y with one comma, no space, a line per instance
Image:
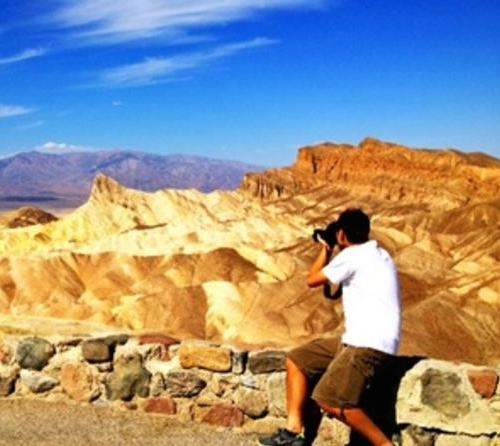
28,422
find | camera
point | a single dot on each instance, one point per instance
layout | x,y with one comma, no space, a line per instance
327,236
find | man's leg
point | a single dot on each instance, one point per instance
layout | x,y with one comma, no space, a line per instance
357,419
297,393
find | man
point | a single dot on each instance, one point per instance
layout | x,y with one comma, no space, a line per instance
335,373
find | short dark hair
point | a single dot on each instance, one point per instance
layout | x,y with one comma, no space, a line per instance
355,224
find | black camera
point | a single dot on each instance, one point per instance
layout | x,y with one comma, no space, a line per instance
327,236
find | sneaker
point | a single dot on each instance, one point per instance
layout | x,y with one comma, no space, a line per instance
284,437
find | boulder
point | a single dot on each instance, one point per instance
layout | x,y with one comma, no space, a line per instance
205,355
165,406
484,382
128,379
34,353
267,361
8,378
253,403
38,382
225,415
184,384
79,381
95,351
276,391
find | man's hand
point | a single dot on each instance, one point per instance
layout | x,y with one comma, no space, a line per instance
316,276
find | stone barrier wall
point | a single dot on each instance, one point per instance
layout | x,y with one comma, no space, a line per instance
435,403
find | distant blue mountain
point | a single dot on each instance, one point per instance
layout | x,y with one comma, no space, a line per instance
64,180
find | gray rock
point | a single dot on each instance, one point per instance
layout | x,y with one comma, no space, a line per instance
441,391
34,353
183,384
416,436
8,378
95,351
253,403
267,361
157,384
37,382
128,379
276,391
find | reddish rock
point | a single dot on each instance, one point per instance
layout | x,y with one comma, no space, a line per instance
5,354
79,382
224,415
484,382
165,340
165,406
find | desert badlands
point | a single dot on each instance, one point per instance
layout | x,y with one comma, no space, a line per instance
230,266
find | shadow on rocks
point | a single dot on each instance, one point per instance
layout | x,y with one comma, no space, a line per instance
380,398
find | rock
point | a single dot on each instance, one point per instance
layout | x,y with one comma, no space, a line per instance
441,391
37,382
416,436
8,378
183,384
221,385
204,355
165,406
5,354
208,398
157,384
114,340
484,382
79,382
276,391
461,440
128,379
437,395
96,351
34,353
224,415
253,403
161,339
267,361
332,431
185,410
239,360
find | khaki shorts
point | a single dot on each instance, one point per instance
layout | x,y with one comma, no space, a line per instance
342,372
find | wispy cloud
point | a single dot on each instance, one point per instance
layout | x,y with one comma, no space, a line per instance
23,55
31,125
7,111
111,21
58,148
160,69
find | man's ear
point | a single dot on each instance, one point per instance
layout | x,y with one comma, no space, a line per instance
341,238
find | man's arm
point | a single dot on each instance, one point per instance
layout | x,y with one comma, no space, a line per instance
316,276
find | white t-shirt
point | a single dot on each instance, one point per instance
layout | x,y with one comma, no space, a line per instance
371,296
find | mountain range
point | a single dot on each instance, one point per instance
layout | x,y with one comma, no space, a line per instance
64,180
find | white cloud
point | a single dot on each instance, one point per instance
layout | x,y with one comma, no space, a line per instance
31,125
154,70
117,103
7,111
58,148
111,21
24,55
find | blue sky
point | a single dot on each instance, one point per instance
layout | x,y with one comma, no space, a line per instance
248,79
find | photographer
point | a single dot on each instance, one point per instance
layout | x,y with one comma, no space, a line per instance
334,373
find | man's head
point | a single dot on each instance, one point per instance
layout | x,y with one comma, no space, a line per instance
353,227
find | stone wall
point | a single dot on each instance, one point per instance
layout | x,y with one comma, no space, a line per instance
420,402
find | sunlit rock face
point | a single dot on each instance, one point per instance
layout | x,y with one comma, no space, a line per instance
232,266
